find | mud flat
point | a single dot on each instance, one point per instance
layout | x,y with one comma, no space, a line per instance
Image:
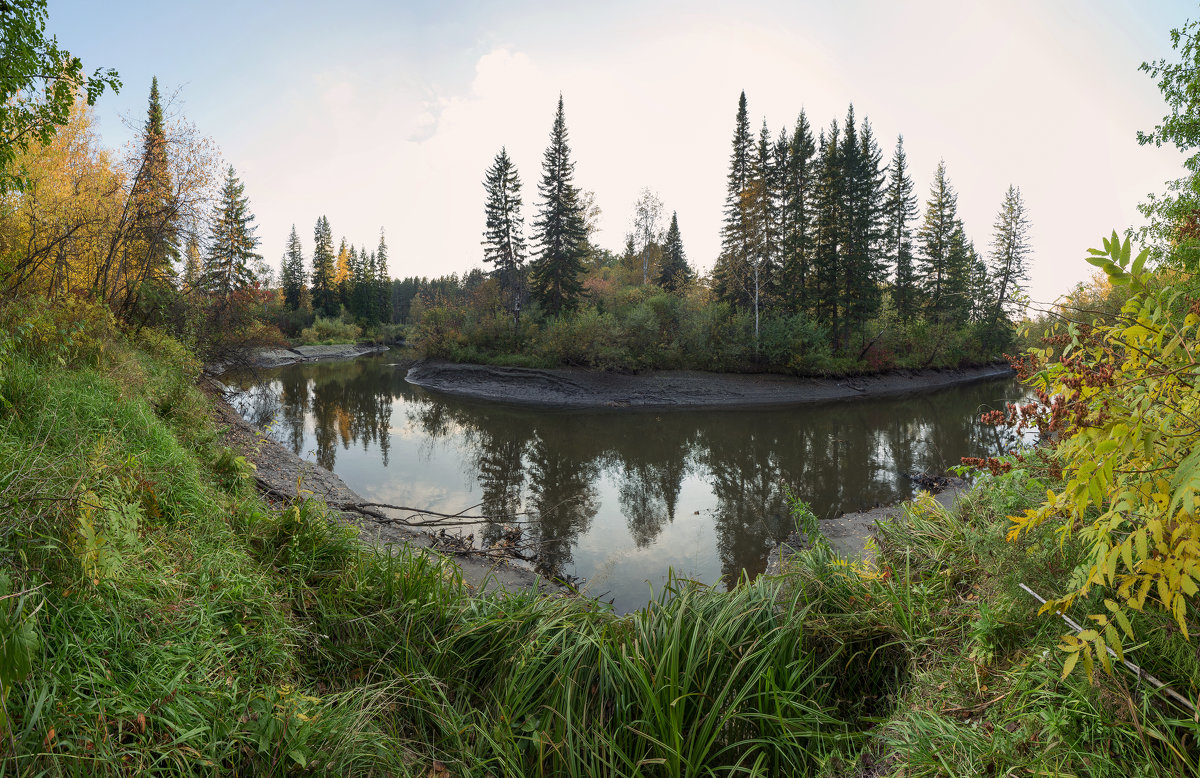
290,356
580,388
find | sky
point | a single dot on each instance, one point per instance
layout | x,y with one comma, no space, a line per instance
387,114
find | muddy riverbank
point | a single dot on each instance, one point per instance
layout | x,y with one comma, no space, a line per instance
580,388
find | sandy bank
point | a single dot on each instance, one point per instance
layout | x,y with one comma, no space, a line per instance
579,388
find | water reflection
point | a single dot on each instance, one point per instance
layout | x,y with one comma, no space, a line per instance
617,497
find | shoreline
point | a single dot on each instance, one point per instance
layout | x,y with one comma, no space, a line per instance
266,358
849,533
582,388
279,473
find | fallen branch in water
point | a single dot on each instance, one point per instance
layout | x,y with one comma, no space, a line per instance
460,519
375,511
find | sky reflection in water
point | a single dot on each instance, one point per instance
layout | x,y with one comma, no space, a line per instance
618,497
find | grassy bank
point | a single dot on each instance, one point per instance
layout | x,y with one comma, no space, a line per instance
982,692
165,620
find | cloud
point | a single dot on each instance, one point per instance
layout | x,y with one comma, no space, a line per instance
999,93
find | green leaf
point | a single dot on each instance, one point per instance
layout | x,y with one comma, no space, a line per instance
1140,261
1114,641
1069,665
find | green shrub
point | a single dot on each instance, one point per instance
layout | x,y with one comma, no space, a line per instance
328,331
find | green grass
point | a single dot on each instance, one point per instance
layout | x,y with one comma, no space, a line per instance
185,627
979,689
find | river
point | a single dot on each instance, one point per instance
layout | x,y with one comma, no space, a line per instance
618,497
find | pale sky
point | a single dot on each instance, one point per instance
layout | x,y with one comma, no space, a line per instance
386,114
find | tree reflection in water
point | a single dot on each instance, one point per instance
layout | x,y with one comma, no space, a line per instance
618,477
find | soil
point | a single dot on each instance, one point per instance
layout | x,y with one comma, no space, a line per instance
580,388
281,474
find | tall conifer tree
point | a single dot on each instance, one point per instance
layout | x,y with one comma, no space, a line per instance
761,221
383,281
675,272
561,229
231,242
935,237
504,226
291,276
156,217
900,209
324,289
956,302
1010,249
862,192
797,218
731,272
828,206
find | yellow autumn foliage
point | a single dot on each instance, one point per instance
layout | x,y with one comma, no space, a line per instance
1124,403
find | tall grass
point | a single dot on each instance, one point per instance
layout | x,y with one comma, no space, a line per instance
185,627
975,670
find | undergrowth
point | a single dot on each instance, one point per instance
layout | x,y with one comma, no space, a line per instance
166,621
161,619
980,690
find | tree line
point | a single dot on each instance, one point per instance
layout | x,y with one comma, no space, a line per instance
820,241
350,280
820,226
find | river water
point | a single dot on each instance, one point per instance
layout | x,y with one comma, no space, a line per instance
618,497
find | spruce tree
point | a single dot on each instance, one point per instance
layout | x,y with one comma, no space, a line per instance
900,209
862,269
291,276
361,290
324,289
1010,249
979,282
675,273
504,226
761,224
383,282
231,242
560,226
956,302
828,205
935,240
731,274
156,212
796,238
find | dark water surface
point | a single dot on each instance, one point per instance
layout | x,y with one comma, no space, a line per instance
618,497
